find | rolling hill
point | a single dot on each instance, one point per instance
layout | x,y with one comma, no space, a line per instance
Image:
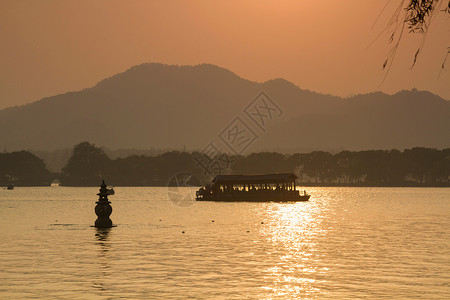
167,106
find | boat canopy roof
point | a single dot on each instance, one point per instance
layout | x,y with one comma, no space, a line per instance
243,179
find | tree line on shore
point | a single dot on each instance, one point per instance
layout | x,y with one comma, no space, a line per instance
89,164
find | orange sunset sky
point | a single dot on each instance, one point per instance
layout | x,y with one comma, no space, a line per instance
51,47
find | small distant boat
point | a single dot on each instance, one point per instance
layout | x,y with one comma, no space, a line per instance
55,183
252,188
10,186
110,190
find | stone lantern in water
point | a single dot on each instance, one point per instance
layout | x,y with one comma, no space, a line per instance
103,210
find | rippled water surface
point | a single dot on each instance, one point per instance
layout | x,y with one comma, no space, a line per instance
343,243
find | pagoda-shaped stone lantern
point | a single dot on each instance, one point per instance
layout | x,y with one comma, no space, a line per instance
103,210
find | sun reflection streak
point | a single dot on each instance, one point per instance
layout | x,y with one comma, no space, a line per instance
294,230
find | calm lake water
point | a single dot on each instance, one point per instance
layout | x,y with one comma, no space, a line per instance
343,243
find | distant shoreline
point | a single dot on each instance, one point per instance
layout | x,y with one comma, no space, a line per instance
301,185
88,165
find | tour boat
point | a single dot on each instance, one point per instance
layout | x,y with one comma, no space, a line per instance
252,188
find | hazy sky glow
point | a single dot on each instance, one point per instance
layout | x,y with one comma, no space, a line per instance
51,47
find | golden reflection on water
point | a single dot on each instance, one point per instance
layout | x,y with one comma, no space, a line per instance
294,231
345,243
103,263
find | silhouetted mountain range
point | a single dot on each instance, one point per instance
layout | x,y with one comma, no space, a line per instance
166,106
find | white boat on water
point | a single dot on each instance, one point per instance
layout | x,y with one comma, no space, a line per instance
55,183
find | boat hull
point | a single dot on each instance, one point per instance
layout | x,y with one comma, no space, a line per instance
256,198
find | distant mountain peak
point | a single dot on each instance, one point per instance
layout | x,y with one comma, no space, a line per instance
417,93
158,71
280,81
